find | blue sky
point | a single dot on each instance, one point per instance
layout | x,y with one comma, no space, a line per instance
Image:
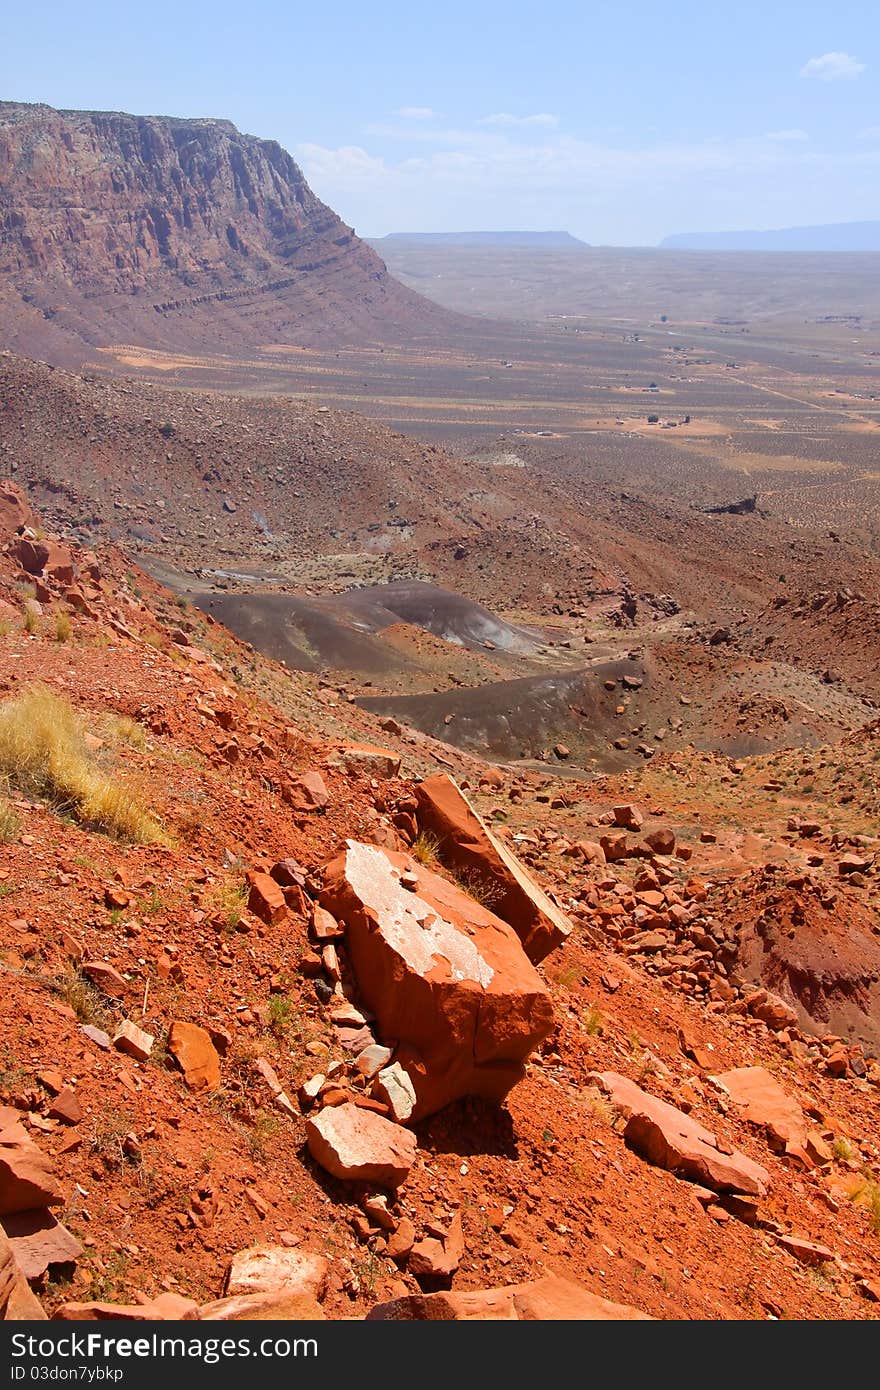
618,122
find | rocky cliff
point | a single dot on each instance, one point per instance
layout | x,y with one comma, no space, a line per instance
181,234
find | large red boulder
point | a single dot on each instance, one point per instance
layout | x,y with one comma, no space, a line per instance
446,979
44,558
467,846
764,1102
669,1138
551,1299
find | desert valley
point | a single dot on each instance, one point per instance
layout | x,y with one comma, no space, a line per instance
439,758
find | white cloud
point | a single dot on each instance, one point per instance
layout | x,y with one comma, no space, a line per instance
493,159
418,113
349,166
598,190
504,118
832,67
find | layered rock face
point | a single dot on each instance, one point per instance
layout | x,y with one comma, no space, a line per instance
172,233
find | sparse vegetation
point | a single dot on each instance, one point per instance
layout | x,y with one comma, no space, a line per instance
593,1021
63,627
119,728
43,751
424,849
484,891
80,995
228,897
10,821
865,1192
279,1014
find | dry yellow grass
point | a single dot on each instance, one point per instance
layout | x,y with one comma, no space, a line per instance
44,752
10,822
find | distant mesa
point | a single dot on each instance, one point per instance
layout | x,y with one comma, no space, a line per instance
833,236
546,239
180,235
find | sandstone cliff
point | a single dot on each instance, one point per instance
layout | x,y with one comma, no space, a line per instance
173,233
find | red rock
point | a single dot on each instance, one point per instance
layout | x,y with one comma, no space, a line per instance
134,1041
198,1059
15,510
630,817
438,1257
401,1241
325,926
670,1139
287,873
276,1269
661,841
837,1062
771,1010
367,761
808,1252
59,564
166,1307
17,1303
39,1242
852,864
763,1101
361,1146
44,557
614,847
372,1060
545,1300
263,1307
266,899
66,1107
330,962
27,1175
30,553
307,793
108,980
695,890
443,976
589,851
467,845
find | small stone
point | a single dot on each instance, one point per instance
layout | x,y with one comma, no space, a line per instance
266,899
133,1041
108,980
401,1242
372,1059
198,1059
359,1145
394,1086
438,1257
66,1107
